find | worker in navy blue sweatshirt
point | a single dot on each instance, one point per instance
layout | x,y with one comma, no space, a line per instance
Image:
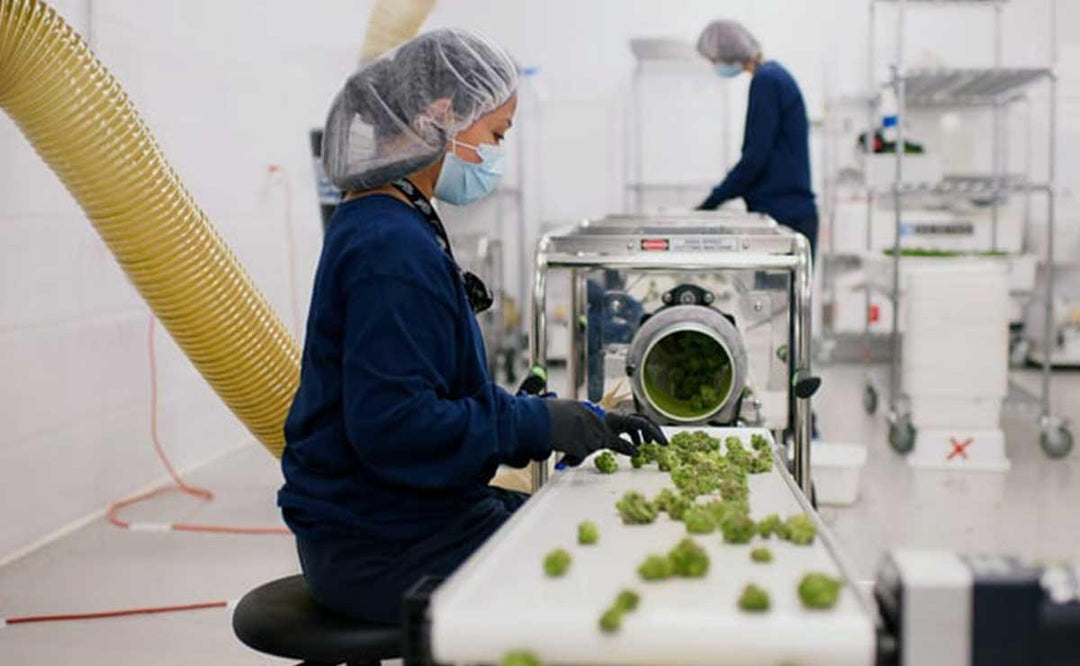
397,428
773,174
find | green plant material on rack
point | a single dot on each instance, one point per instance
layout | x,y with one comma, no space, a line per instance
923,252
634,509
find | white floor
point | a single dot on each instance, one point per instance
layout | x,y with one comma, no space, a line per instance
1030,511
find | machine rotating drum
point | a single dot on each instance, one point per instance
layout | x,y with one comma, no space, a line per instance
688,365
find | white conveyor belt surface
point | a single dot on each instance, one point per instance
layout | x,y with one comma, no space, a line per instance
500,599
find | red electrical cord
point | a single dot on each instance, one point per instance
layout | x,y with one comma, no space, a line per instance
178,483
30,619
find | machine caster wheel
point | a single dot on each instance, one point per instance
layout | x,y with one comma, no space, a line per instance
901,434
870,399
1056,439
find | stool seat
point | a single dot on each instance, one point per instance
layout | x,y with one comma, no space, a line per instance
280,618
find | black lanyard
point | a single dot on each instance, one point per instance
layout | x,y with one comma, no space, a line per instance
480,297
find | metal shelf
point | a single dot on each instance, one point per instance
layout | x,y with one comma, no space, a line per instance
968,87
971,187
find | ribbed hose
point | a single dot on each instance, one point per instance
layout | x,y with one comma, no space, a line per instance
78,118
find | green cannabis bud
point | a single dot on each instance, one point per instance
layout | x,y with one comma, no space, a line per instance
754,599
656,567
672,503
611,620
761,555
635,509
520,658
738,528
771,525
698,520
800,529
627,600
689,560
588,533
605,462
818,590
556,563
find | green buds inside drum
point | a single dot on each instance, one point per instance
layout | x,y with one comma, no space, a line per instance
688,365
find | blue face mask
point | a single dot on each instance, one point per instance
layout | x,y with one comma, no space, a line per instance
461,183
728,70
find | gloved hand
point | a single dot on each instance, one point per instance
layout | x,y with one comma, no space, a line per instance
534,383
578,431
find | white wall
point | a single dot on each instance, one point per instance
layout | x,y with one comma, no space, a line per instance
231,88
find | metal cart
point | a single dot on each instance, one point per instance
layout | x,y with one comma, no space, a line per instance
744,276
994,88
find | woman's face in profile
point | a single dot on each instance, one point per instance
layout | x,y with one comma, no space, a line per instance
489,128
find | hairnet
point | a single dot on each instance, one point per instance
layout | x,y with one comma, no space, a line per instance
728,41
395,115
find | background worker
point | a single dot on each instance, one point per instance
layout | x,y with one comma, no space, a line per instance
773,173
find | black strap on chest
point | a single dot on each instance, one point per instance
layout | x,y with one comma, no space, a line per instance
480,297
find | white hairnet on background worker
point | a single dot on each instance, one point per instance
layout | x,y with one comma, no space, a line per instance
728,41
395,115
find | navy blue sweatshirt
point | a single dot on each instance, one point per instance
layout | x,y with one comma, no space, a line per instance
773,174
396,427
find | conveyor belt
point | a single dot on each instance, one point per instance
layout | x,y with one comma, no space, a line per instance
500,599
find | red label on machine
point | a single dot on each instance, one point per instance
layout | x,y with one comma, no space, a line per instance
655,244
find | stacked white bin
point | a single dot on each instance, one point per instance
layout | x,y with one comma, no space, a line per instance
955,361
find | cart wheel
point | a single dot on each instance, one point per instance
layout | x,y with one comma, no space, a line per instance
870,399
1056,440
902,434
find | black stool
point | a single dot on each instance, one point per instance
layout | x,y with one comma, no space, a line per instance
280,618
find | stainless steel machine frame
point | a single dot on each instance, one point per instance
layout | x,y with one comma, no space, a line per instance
691,244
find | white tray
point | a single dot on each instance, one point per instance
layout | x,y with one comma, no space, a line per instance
500,599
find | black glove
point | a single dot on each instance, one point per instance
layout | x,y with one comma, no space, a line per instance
577,431
533,384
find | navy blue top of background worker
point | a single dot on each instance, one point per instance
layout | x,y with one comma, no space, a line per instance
773,173
397,428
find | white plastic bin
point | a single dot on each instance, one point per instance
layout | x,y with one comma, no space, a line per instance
835,470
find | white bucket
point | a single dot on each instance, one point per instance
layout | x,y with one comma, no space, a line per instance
835,470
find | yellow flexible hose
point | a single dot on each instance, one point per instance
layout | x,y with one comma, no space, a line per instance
78,118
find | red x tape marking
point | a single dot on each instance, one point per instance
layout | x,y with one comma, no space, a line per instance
959,449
